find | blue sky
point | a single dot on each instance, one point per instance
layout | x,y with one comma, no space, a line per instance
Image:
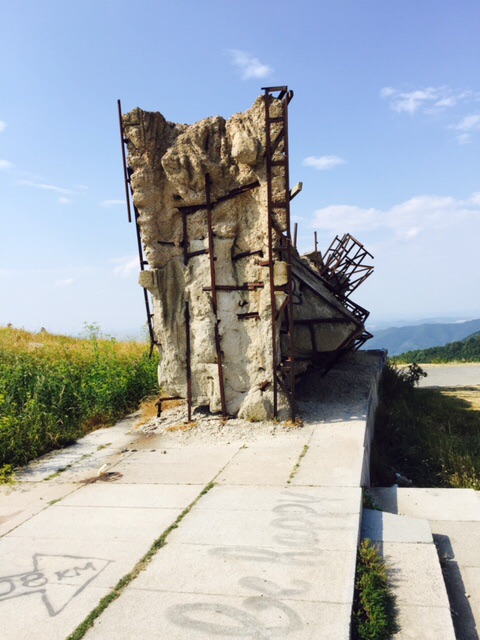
384,135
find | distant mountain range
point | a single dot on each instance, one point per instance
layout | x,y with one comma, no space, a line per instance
397,340
466,350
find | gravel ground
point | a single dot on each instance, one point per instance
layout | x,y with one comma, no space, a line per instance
341,395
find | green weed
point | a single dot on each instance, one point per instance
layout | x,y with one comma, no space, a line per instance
374,616
55,389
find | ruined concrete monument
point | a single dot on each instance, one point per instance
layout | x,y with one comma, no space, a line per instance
238,315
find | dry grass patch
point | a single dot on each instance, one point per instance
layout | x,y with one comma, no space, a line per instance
471,395
182,427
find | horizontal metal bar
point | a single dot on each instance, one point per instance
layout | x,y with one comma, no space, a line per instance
245,254
187,209
248,316
200,252
273,89
247,286
321,321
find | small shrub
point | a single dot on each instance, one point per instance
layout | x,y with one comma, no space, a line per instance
374,616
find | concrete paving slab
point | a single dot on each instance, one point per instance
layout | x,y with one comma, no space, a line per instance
320,576
103,562
188,455
351,430
253,474
138,473
380,526
459,541
432,504
20,502
415,575
248,466
460,601
283,500
471,577
152,614
98,523
48,612
424,623
264,529
340,464
150,496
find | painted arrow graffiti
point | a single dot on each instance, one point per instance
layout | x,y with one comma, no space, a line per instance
58,579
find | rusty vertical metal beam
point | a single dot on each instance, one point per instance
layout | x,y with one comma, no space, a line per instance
214,293
270,250
185,238
289,311
188,361
125,170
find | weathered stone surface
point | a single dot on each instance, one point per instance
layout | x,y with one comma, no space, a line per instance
169,166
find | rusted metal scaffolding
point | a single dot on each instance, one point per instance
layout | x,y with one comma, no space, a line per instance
128,194
343,264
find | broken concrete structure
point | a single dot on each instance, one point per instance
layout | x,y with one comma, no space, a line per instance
238,315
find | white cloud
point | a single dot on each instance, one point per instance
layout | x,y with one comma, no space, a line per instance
436,101
466,126
5,165
126,267
66,282
112,203
428,100
323,162
46,187
3,126
405,221
412,101
249,66
64,200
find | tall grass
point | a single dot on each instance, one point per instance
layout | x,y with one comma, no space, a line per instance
54,389
431,438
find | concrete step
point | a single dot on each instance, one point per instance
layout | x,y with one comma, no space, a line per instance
454,518
415,576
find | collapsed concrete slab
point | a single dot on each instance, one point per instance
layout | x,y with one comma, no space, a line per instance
238,315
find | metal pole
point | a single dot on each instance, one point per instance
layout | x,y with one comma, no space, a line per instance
125,170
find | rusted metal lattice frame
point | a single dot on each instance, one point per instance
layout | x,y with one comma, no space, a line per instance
345,257
280,239
214,288
128,195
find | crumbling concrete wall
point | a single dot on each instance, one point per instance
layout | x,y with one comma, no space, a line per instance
169,165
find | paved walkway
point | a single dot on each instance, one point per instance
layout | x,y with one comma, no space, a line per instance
266,551
451,375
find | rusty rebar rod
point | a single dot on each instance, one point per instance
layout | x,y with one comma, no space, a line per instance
188,361
125,170
211,255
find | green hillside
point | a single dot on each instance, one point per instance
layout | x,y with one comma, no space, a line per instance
467,350
398,340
